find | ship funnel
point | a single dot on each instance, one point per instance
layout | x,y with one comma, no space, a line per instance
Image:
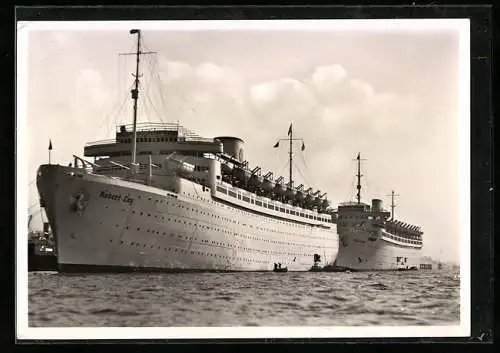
232,146
376,205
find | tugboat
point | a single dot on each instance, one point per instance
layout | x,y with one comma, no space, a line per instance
327,268
41,251
278,268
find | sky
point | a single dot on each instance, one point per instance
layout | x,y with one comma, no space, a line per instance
390,95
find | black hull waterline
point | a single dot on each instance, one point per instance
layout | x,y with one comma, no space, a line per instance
89,269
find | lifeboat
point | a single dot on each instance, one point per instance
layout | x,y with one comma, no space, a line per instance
290,193
280,189
299,196
308,199
317,201
256,179
311,199
325,204
226,169
267,186
241,174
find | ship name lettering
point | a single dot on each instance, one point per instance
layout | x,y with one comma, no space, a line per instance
116,197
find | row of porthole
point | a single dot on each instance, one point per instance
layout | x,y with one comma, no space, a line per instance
221,205
136,244
228,232
236,234
219,243
217,216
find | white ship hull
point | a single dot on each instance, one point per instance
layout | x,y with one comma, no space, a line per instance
125,226
357,252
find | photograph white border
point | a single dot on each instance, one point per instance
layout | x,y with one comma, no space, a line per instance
23,331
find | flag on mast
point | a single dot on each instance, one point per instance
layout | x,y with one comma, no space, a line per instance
303,146
290,130
277,144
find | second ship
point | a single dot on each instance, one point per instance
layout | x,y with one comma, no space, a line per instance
371,239
161,198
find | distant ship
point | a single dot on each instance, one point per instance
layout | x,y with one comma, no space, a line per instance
371,239
161,198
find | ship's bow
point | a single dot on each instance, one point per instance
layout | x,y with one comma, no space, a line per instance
48,180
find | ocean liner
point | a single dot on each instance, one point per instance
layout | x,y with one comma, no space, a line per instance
160,198
372,239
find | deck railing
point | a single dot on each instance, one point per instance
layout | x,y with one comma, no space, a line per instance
184,134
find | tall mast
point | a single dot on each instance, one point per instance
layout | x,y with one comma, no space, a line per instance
135,93
359,179
290,139
393,206
359,175
291,159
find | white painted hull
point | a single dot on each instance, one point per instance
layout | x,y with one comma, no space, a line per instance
358,252
177,232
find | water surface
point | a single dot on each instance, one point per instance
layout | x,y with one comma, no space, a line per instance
245,299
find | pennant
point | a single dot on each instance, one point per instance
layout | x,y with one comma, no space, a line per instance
50,145
359,156
290,130
277,144
303,146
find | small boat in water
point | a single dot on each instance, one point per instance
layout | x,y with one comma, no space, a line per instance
41,251
278,268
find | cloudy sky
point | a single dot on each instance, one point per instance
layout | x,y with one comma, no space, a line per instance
391,95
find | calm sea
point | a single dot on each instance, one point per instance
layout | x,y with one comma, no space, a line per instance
245,299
